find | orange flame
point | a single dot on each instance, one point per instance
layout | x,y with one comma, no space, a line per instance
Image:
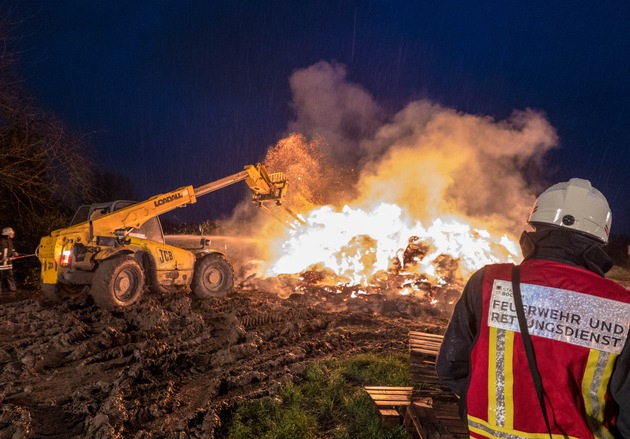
419,197
358,244
419,202
360,234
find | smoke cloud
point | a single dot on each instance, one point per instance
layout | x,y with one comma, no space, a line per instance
428,159
330,107
408,169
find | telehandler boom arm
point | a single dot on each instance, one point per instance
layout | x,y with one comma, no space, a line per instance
265,187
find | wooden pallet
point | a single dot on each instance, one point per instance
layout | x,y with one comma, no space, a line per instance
423,349
433,412
423,343
390,403
421,422
428,410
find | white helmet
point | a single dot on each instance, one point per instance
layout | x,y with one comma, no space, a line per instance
574,204
7,231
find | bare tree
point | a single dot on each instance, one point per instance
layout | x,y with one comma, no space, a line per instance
44,170
109,186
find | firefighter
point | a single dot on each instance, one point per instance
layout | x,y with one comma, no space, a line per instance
7,252
577,323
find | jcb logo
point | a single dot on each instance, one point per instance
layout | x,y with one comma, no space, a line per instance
165,256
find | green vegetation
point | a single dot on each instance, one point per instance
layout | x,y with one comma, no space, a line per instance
328,402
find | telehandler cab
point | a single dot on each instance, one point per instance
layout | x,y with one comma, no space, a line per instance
114,250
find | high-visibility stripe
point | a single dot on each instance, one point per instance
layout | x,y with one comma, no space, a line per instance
596,376
486,430
499,379
577,411
587,381
509,379
492,374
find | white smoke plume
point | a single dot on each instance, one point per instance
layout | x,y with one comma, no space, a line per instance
428,159
347,153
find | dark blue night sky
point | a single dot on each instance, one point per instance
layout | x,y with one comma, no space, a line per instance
184,92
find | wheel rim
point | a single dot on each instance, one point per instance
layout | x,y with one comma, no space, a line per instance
125,285
213,278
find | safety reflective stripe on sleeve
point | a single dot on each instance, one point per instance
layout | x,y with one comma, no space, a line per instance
483,429
596,376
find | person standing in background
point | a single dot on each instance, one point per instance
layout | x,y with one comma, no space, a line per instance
7,252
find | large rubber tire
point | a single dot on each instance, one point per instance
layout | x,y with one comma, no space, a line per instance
213,276
118,282
61,292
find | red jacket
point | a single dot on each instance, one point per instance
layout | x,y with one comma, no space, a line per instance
578,322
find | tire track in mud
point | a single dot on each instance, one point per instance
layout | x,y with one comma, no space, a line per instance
170,367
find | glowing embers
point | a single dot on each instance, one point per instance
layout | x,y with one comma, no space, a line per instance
382,250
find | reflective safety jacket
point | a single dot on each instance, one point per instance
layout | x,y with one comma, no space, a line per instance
578,322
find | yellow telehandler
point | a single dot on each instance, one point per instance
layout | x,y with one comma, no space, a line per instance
114,250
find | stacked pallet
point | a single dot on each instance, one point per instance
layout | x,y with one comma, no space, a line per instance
423,350
421,422
428,410
433,412
390,403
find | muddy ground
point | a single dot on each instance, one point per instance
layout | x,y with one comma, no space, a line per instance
175,367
